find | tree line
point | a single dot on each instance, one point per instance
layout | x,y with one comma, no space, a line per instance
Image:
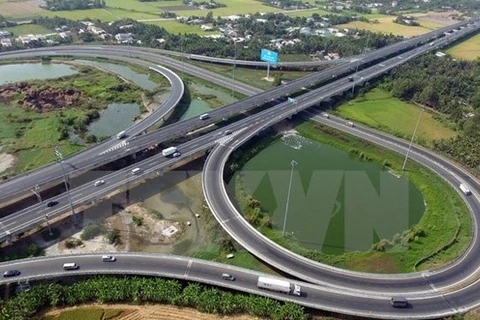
109,289
451,87
55,5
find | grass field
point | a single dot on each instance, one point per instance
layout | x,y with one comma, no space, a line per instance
85,314
379,110
176,27
468,49
250,76
386,25
28,29
234,7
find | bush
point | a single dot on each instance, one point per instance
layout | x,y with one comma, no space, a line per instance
46,234
91,231
137,220
73,243
113,237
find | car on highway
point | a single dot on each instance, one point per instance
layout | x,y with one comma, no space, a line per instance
176,154
11,273
52,203
108,258
399,302
99,183
228,276
227,132
137,171
70,266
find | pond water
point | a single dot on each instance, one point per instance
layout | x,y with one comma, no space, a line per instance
337,203
199,106
34,71
117,117
140,79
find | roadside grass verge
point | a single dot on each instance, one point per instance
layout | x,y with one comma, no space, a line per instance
378,109
250,76
468,49
442,235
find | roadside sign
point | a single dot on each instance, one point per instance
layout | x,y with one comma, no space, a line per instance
269,56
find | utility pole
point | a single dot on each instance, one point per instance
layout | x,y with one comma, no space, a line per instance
183,56
36,191
48,225
293,163
59,156
358,62
413,137
234,65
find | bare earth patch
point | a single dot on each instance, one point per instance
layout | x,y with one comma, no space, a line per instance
442,18
10,9
6,161
156,312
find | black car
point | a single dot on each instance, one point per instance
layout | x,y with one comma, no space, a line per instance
11,273
52,203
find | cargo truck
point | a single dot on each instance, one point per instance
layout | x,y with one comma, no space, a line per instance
169,151
465,190
278,285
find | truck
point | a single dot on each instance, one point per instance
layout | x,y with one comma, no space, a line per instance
169,151
279,285
465,190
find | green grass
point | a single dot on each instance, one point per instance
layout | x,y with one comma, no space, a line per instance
250,76
28,29
106,14
468,49
234,7
86,314
386,25
176,27
378,109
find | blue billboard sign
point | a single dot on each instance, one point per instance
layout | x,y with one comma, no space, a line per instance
269,56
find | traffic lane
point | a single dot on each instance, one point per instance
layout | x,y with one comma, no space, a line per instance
93,262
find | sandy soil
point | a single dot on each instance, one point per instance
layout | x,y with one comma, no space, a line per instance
443,18
157,312
6,161
10,9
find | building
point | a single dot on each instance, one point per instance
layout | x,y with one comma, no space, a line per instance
124,37
5,34
6,43
204,27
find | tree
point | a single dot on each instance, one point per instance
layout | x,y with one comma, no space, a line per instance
209,17
475,100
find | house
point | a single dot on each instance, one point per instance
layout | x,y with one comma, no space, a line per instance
204,27
95,30
160,40
125,27
440,54
5,34
124,37
64,35
6,43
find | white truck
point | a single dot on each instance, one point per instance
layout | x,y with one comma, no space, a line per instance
121,135
278,285
169,151
465,190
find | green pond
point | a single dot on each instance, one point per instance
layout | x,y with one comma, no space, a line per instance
337,203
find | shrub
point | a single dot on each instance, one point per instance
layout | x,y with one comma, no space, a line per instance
91,231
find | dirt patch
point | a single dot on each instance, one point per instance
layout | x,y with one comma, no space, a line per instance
154,312
10,9
6,161
442,18
41,100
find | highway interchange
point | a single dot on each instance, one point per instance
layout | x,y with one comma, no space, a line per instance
340,289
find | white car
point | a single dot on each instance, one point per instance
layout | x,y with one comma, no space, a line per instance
99,183
108,258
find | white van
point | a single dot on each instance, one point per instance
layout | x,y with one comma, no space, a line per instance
70,266
121,135
204,116
136,171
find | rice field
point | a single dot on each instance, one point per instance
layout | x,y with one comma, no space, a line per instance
386,25
468,49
